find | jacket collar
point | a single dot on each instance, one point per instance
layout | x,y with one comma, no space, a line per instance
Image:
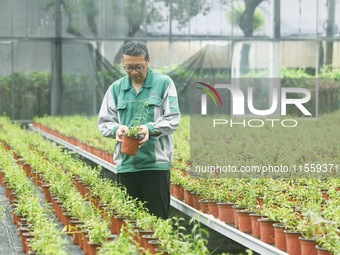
147,83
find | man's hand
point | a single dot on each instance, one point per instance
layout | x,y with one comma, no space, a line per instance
145,134
122,130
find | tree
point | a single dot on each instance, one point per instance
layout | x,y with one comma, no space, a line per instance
140,13
330,29
137,14
249,21
75,27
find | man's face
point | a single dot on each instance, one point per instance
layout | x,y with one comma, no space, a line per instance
136,67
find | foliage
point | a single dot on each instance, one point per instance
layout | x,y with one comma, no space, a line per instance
61,168
312,224
298,203
48,239
234,17
24,95
137,13
125,244
141,115
98,231
330,240
80,127
193,243
134,130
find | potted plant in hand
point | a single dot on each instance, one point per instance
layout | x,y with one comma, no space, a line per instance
132,138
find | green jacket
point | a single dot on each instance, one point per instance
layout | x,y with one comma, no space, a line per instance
121,105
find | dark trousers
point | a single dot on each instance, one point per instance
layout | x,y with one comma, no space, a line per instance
151,186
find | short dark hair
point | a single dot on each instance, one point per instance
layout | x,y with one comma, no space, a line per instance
135,48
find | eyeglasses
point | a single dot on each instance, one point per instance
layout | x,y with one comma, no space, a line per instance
131,68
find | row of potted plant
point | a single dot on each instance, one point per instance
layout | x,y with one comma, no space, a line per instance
69,206
80,131
83,132
38,232
288,213
117,201
308,207
112,197
255,147
86,217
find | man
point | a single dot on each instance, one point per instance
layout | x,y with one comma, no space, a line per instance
146,175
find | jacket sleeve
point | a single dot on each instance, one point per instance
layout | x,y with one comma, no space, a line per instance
169,118
108,119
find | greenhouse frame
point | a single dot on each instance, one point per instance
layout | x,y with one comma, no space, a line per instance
258,88
71,43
